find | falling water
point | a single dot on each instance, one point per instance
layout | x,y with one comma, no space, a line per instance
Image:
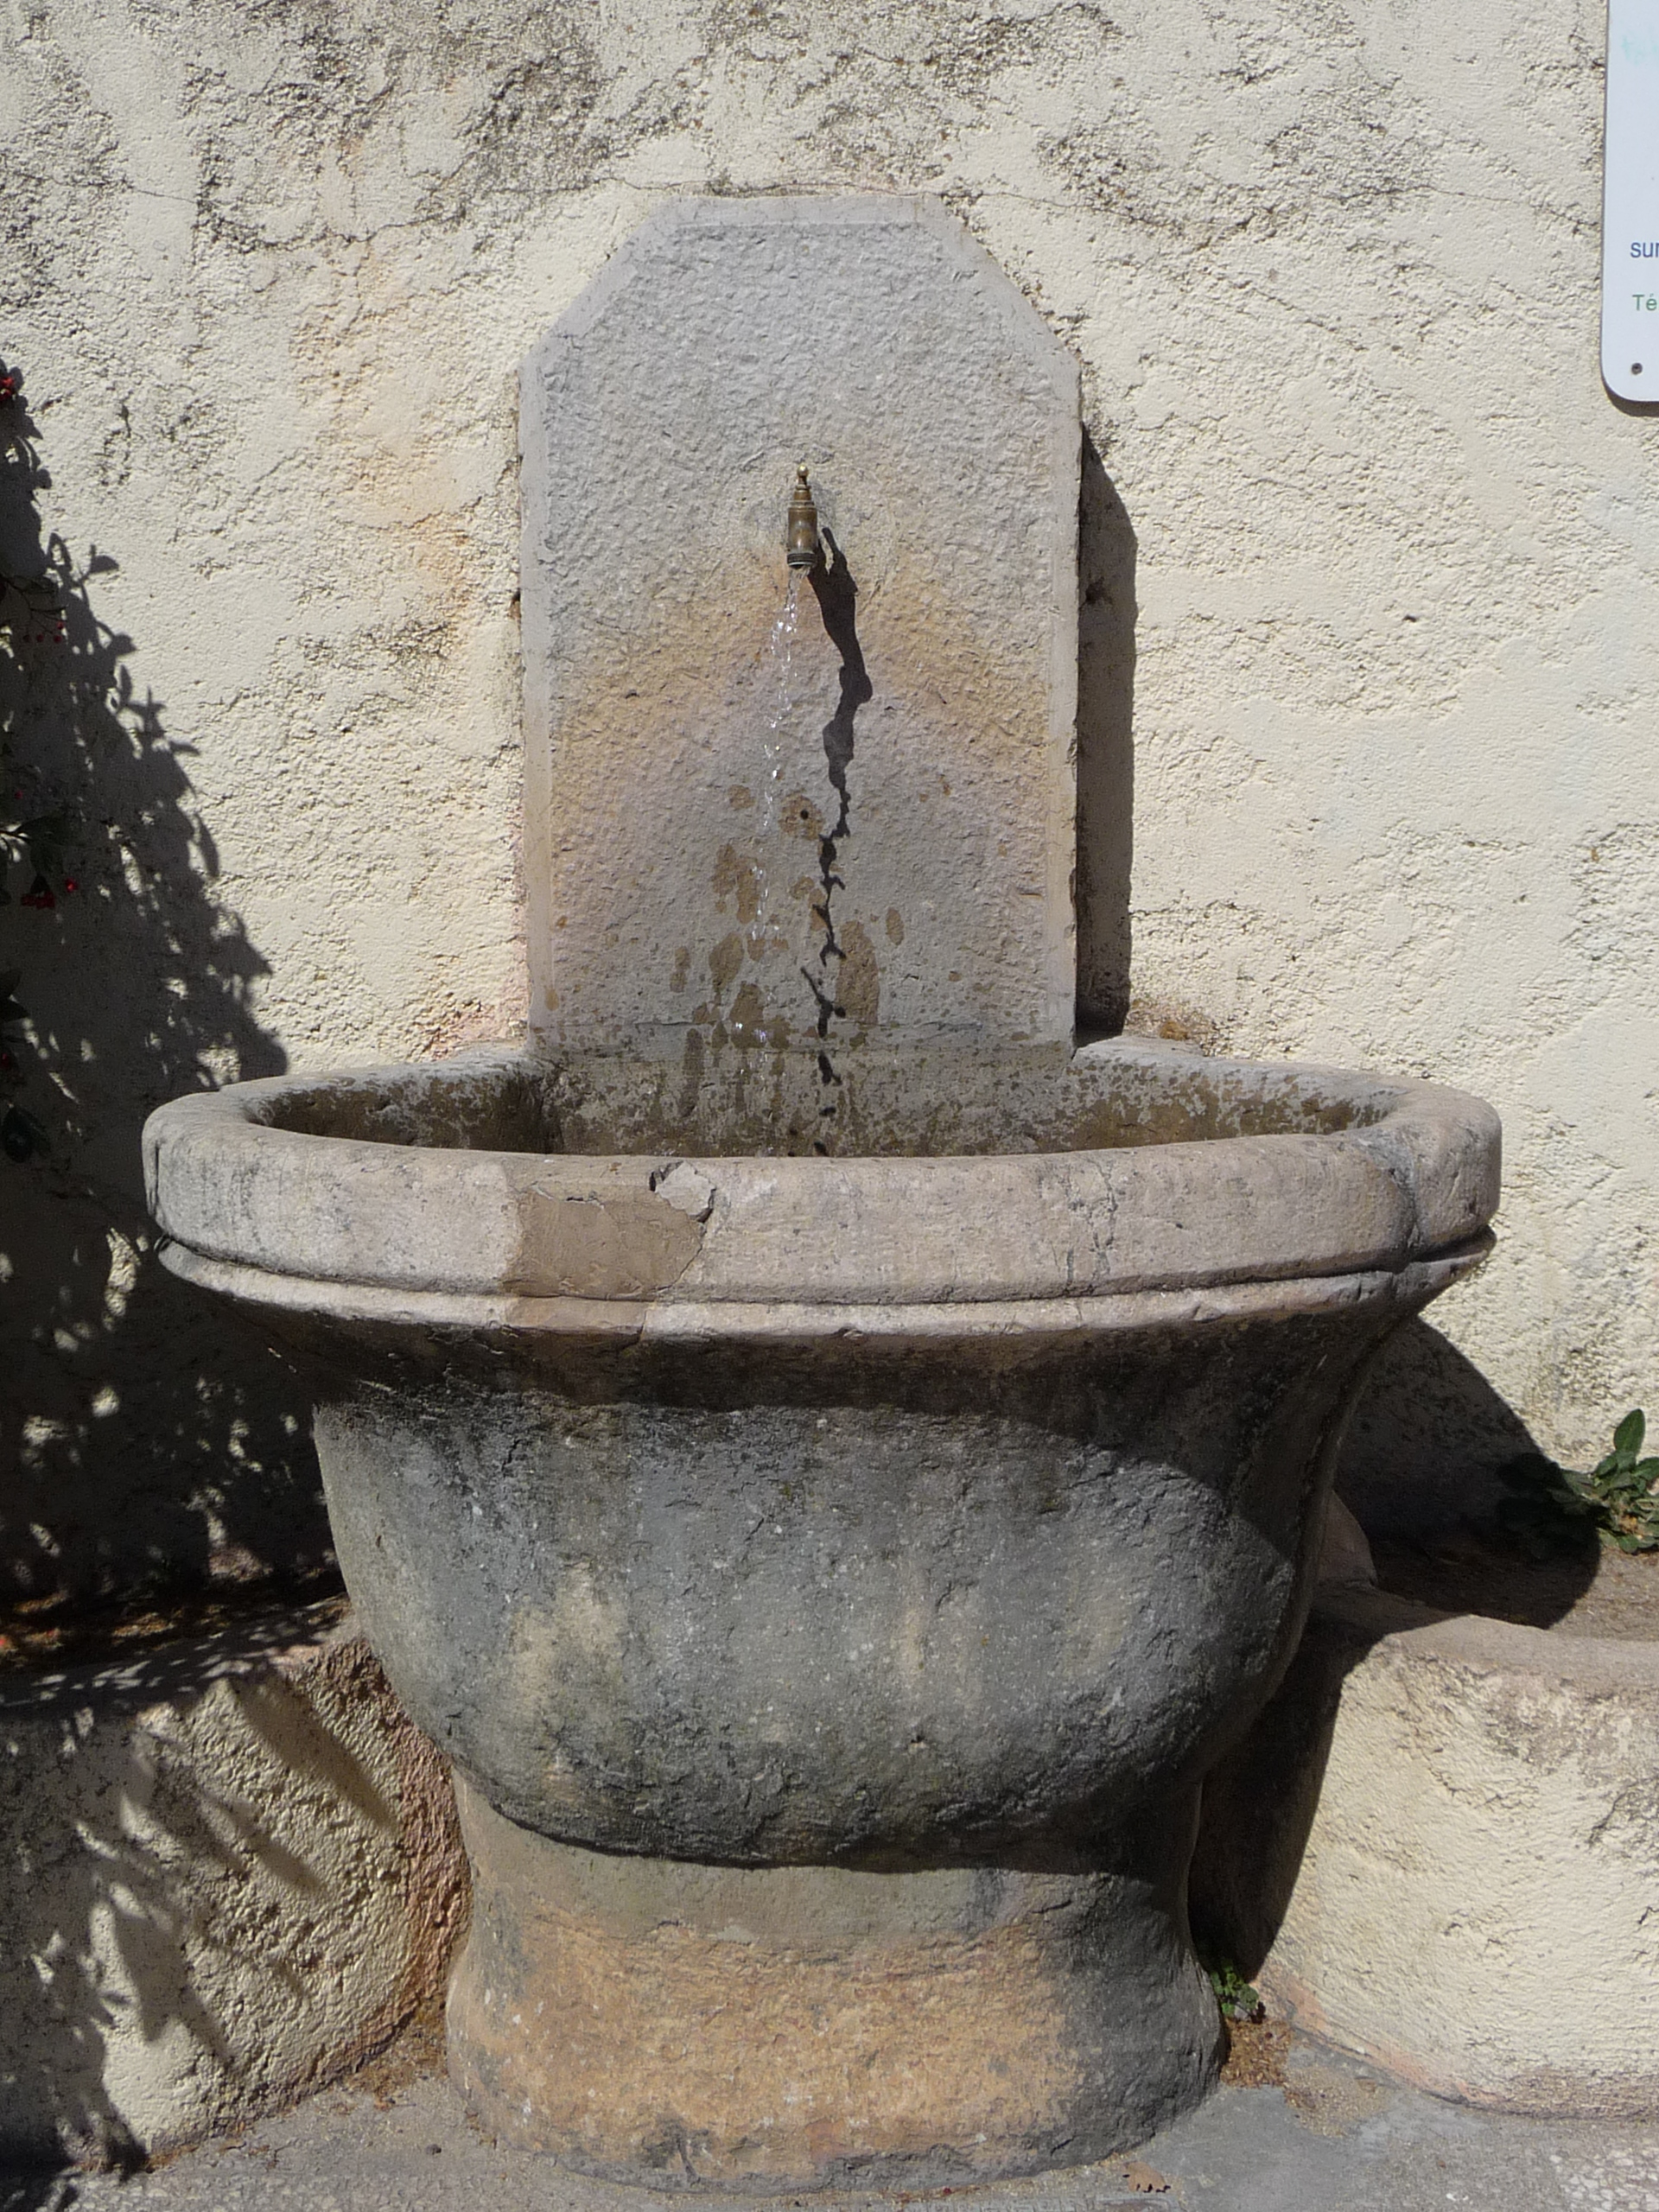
768,934
780,648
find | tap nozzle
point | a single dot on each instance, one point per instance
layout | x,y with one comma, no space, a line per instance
804,548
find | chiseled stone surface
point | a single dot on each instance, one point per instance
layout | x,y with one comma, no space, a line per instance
1439,1845
701,825
229,1871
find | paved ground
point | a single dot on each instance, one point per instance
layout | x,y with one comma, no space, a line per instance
1335,2138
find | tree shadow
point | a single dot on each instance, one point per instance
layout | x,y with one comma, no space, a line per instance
1106,616
152,1444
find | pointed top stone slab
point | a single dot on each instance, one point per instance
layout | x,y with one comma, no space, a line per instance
863,837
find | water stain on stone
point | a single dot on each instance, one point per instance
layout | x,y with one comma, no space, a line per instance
682,968
738,797
1327,2101
859,985
736,877
801,818
749,1025
724,961
691,1067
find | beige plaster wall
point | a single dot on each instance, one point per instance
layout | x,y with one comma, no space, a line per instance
270,270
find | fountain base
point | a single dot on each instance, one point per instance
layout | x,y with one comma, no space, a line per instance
800,2027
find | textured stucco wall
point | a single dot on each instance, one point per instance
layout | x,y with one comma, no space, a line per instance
270,270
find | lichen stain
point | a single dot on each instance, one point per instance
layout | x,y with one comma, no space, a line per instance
682,968
566,1651
895,926
738,797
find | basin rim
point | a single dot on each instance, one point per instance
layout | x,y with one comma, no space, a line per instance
1016,1326
496,1233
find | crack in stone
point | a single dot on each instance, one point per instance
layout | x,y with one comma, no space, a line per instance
836,592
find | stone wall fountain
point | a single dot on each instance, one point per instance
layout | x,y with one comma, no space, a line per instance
832,1464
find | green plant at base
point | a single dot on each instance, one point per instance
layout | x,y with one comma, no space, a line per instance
1552,1508
1236,1998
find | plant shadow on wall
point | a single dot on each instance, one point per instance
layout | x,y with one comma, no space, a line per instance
91,1915
149,1446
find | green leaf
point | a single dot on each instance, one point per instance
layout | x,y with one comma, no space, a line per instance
1627,1436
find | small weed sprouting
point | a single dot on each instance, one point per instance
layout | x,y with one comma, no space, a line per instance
1237,1999
1553,1508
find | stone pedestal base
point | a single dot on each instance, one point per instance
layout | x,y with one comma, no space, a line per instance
807,2027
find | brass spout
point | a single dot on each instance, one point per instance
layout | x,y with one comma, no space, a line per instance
804,550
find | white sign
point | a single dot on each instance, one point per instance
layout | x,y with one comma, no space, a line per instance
1629,206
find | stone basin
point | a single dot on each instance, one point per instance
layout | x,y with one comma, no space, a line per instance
832,1464
831,1577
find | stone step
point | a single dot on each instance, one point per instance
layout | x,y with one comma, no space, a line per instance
229,1871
